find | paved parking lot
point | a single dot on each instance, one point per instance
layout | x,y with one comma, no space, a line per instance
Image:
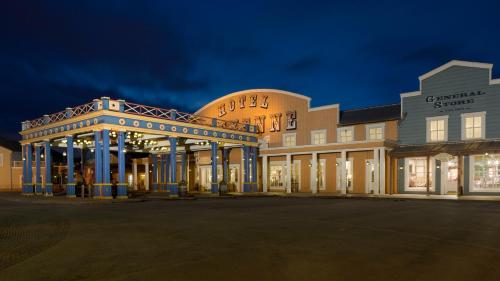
249,239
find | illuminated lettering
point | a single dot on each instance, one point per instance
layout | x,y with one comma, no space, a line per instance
232,105
242,101
222,110
291,120
259,122
265,102
253,101
275,122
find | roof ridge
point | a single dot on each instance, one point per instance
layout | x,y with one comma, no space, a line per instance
370,107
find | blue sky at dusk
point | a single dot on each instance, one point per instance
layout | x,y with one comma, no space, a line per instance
183,54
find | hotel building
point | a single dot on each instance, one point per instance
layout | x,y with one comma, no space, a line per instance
440,140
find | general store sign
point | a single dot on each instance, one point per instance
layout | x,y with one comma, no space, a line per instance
454,100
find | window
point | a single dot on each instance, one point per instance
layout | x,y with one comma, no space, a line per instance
416,174
289,139
473,125
321,177
437,129
318,137
375,132
485,170
345,134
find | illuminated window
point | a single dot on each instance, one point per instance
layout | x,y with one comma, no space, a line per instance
348,173
485,171
289,139
318,137
417,174
437,128
375,132
1,160
473,125
345,134
322,174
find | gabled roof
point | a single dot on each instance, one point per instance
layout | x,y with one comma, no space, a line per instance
455,63
370,114
10,144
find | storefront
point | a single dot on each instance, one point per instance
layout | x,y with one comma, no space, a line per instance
449,134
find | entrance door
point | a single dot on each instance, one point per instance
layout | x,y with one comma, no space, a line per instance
234,179
277,175
451,176
370,176
205,178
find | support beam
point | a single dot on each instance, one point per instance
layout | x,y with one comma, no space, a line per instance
70,183
246,169
48,169
376,164
38,170
264,173
214,184
28,183
382,171
121,192
183,166
106,178
98,190
253,162
154,157
146,175
288,173
343,173
314,172
174,188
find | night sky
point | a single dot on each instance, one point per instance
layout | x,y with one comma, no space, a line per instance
183,54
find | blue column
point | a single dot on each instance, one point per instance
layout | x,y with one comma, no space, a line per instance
225,164
183,166
106,177
70,182
154,159
24,169
246,169
166,180
254,169
122,184
215,184
97,165
162,181
38,170
29,171
48,169
174,190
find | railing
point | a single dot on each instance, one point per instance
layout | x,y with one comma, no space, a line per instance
61,115
143,110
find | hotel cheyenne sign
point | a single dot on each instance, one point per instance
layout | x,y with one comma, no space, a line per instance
448,102
254,101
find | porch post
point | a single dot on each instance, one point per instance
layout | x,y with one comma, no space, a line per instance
183,166
343,176
48,171
106,185
154,157
264,173
246,169
97,165
382,171
376,158
23,148
174,190
314,172
146,175
255,186
162,181
70,183
38,175
288,173
29,171
134,172
121,192
215,184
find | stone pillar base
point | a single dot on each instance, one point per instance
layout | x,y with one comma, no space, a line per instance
214,188
70,190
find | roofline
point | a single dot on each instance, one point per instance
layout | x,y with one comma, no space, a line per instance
368,122
250,91
370,107
456,63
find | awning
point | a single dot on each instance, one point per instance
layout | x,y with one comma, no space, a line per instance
461,148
